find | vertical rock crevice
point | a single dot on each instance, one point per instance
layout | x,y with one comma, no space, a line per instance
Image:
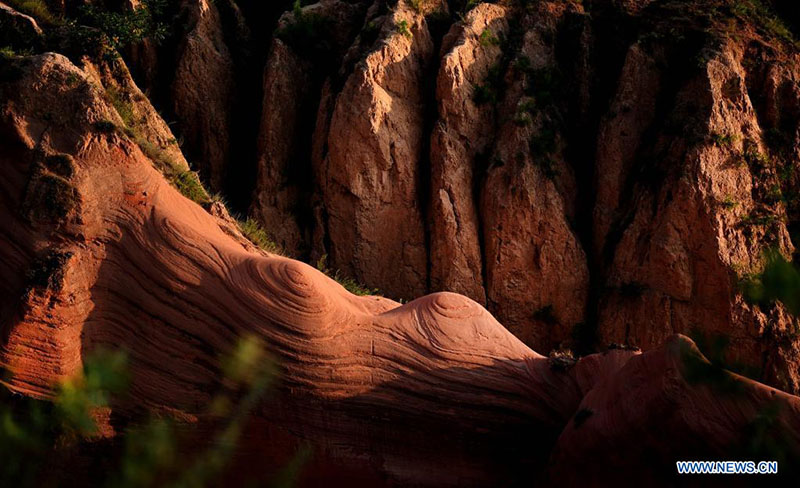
534,159
309,45
460,139
375,226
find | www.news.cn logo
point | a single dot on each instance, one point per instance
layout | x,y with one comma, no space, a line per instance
727,467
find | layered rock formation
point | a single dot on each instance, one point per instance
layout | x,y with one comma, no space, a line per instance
570,166
589,184
436,392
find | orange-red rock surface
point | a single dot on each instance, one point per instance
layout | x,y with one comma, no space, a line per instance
98,249
590,173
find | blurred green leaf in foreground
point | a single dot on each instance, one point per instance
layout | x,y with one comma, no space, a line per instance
38,437
778,282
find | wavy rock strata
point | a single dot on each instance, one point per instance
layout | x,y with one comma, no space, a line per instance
435,392
571,166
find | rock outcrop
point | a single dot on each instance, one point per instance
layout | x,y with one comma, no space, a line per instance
470,395
632,111
700,215
591,173
461,136
665,419
203,89
372,193
571,176
17,28
296,67
435,392
536,269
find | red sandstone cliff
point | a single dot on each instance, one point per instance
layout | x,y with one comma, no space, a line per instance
588,179
353,368
588,184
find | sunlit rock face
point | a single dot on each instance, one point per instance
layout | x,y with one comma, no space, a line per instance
549,178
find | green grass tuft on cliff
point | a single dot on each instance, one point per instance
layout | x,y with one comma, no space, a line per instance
37,9
253,231
347,282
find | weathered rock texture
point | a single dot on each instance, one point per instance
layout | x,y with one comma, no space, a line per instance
697,219
202,90
537,276
461,136
435,392
584,172
593,173
293,79
200,77
371,192
18,28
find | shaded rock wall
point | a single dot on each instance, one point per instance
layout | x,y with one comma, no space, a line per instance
435,392
524,216
592,173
